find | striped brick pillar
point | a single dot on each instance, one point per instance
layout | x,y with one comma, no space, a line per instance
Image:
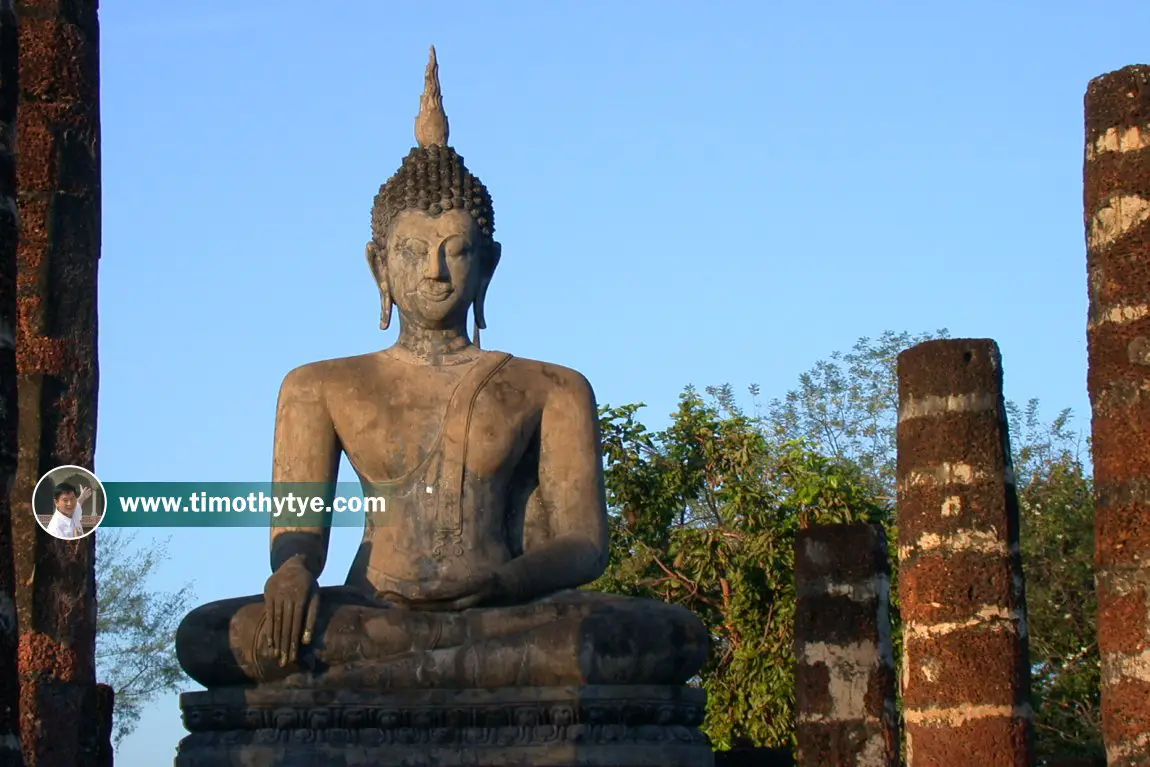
966,677
845,677
10,748
58,175
1117,216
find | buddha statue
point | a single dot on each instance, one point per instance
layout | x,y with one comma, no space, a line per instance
491,467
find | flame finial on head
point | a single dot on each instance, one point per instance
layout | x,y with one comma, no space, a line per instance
431,122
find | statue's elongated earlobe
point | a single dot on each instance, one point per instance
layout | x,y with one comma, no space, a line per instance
379,272
480,319
481,295
385,310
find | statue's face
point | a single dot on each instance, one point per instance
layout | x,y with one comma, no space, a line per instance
434,266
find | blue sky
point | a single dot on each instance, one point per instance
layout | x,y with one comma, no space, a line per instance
684,195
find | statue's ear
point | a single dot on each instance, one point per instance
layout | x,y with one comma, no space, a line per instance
496,252
375,261
489,264
378,265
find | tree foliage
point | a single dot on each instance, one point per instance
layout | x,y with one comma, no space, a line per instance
135,626
847,406
1056,500
704,514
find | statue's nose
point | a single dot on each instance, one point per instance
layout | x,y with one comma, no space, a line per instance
435,265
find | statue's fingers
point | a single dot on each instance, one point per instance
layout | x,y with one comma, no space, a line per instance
296,626
420,607
277,626
447,605
311,617
285,632
270,607
467,602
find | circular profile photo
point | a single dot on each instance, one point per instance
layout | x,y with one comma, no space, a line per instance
69,502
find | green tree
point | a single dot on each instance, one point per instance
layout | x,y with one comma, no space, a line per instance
704,514
135,626
847,406
1056,502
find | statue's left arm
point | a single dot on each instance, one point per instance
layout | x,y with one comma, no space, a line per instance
571,490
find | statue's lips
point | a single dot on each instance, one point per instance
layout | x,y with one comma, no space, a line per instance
436,291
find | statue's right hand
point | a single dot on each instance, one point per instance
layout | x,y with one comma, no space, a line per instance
291,599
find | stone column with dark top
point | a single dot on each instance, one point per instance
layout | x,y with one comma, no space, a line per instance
1117,217
845,674
966,678
56,347
10,751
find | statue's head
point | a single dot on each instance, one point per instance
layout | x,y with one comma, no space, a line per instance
432,249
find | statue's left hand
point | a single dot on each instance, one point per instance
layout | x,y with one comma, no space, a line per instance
487,592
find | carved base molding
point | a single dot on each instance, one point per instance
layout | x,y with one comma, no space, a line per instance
513,727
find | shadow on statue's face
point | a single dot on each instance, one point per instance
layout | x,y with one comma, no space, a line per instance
434,266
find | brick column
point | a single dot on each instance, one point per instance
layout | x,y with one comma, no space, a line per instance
10,752
59,206
1117,216
966,677
845,677
105,708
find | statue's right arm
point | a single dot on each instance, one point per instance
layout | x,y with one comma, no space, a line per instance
307,450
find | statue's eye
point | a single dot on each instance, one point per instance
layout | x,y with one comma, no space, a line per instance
411,249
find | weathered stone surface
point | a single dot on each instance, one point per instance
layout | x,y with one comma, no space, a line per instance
1116,198
56,358
966,681
496,513
970,736
558,726
845,676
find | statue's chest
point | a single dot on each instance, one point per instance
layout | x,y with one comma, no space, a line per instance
393,437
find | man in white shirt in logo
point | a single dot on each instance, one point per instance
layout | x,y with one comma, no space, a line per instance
66,520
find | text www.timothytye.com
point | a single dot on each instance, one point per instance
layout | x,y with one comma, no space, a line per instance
252,503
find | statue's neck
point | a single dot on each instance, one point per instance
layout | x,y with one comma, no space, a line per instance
439,346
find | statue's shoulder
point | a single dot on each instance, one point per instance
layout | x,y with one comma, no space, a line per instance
551,379
323,373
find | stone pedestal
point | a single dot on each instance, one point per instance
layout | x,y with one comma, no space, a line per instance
513,727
